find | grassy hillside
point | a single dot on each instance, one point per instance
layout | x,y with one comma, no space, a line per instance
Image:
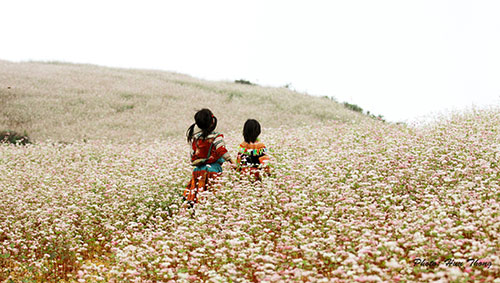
68,102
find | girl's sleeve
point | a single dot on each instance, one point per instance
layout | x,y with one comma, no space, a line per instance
220,148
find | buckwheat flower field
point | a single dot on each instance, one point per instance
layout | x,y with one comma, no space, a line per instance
366,202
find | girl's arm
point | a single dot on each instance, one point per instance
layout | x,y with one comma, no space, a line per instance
220,148
228,157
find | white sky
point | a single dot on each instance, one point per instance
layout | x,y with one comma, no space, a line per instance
401,59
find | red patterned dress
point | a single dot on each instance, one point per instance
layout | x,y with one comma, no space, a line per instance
207,156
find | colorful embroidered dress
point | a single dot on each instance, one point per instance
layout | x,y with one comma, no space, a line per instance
251,157
207,156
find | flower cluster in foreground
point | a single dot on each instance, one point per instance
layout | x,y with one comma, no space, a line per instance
347,202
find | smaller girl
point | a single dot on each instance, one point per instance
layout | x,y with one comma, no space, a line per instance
252,154
208,152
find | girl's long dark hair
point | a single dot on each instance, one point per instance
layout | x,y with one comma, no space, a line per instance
205,120
251,130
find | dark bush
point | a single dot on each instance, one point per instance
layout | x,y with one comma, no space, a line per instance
353,107
244,82
14,138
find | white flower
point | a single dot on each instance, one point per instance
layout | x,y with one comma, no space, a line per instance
393,264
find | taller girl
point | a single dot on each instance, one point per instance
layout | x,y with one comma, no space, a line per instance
208,153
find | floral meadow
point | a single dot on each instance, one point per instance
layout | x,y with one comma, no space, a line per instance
365,201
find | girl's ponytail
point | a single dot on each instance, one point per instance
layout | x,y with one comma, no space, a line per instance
190,132
207,131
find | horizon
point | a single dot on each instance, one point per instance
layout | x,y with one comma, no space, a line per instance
399,60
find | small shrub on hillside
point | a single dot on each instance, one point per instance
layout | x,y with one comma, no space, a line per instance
14,138
379,117
376,117
353,107
244,82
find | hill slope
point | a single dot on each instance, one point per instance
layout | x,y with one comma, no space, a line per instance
68,102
